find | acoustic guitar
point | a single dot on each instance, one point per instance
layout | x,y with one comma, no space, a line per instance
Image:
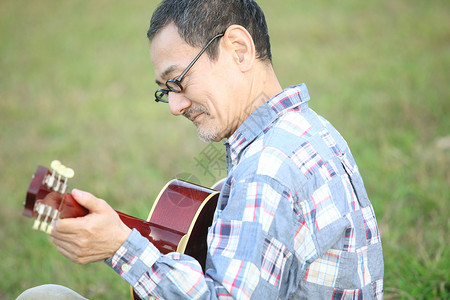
178,220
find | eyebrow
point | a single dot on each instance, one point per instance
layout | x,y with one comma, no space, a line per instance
166,73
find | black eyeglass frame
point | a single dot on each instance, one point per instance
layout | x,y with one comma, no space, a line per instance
174,85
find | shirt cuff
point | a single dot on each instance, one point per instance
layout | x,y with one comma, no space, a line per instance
134,258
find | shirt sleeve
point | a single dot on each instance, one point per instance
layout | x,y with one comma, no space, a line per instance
244,259
150,273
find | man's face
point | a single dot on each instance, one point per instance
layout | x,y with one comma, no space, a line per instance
209,97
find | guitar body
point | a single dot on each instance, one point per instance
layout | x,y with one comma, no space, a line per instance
178,220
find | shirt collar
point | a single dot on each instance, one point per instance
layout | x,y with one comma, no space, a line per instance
265,115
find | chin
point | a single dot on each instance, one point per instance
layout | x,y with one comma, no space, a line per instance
207,138
208,135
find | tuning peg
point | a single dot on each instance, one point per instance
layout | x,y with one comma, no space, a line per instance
50,180
58,179
68,173
61,170
55,164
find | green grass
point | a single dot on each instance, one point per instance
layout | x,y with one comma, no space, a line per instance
76,84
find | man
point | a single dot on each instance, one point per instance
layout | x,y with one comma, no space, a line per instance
293,220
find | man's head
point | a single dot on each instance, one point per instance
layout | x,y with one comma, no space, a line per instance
215,89
199,20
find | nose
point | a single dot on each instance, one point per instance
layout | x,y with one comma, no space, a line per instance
178,103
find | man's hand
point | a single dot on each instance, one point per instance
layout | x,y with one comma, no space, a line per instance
94,237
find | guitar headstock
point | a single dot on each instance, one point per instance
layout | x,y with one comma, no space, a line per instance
46,194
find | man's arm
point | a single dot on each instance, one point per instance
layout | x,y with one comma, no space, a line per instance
244,259
237,248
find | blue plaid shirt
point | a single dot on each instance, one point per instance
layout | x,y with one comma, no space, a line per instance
293,219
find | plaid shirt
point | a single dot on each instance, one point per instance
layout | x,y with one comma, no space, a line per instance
293,219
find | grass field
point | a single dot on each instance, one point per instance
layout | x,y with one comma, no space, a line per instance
77,85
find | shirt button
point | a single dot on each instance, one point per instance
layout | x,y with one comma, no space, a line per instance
126,267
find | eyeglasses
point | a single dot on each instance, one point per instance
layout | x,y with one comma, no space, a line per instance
174,85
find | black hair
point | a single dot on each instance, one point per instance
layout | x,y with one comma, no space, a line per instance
199,20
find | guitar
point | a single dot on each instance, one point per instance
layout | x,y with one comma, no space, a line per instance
178,220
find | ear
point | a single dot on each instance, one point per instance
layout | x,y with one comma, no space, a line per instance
241,46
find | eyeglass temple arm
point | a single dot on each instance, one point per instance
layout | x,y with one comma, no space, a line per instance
197,57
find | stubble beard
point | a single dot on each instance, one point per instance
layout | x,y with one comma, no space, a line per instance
205,133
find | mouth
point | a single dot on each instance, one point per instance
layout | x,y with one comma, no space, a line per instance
194,117
194,113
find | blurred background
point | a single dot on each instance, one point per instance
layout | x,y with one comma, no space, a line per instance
77,85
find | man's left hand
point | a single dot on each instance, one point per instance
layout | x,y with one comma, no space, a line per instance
94,237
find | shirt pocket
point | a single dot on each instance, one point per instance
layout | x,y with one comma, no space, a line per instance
356,182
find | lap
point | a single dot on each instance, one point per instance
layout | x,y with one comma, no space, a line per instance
50,291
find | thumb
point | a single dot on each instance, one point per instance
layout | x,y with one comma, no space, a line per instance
87,200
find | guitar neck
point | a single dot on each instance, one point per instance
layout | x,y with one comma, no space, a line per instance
178,221
163,238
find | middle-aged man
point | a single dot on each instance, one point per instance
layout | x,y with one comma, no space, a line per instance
293,219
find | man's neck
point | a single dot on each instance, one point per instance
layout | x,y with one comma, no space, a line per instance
264,87
260,85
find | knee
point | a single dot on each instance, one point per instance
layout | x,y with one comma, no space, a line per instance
50,291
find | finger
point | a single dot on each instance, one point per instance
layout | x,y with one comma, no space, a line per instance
63,243
68,252
67,236
65,253
69,226
71,249
65,247
88,200
76,255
